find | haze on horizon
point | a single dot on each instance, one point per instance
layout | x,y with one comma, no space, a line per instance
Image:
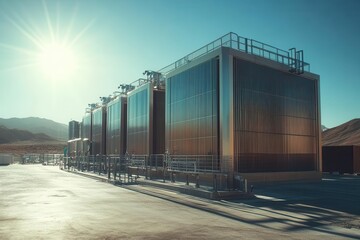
56,57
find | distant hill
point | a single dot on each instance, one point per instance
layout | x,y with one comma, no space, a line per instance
344,134
35,125
15,135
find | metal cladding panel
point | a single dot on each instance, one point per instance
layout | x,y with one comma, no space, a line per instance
86,126
139,120
192,108
116,127
75,147
275,120
98,132
79,147
74,129
343,159
158,122
71,149
356,155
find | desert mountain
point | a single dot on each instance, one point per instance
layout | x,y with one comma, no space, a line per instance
344,134
15,135
35,125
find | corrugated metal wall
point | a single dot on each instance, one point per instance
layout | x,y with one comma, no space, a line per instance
74,130
116,127
138,121
86,126
98,132
192,110
274,119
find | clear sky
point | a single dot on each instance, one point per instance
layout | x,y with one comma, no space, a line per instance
99,44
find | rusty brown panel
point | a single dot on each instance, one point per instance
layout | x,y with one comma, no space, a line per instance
275,119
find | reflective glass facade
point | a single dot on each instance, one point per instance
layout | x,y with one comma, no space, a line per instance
74,129
138,122
116,127
146,121
86,126
98,131
192,110
275,120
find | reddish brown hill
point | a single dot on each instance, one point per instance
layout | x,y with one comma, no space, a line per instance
41,147
344,134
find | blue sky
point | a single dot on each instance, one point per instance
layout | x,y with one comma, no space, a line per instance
113,42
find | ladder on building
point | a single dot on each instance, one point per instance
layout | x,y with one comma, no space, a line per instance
296,61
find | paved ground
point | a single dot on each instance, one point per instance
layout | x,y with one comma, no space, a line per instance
42,202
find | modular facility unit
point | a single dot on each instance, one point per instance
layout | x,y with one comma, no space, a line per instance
86,126
6,159
116,126
234,109
255,117
74,129
75,148
341,159
98,132
146,120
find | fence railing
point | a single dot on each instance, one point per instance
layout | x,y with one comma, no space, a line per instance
127,168
234,41
114,165
193,163
45,159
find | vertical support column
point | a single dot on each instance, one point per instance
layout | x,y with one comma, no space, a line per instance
197,181
108,167
150,90
226,123
246,46
318,124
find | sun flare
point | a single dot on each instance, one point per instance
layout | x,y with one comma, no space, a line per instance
49,48
57,60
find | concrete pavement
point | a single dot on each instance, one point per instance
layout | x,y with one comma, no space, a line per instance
43,202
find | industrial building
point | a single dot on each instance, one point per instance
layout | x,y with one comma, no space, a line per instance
341,159
74,129
98,131
146,120
116,126
252,105
234,109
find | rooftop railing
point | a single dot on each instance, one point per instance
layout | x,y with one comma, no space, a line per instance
249,46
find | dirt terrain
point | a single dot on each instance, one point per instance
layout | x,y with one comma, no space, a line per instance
24,147
344,134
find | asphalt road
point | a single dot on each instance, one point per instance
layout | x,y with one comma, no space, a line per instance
43,202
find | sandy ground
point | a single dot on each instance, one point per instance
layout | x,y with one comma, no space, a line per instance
24,147
43,202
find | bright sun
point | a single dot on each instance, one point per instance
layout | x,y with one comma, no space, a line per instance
53,54
57,60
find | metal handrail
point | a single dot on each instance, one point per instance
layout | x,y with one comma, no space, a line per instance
234,41
193,163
